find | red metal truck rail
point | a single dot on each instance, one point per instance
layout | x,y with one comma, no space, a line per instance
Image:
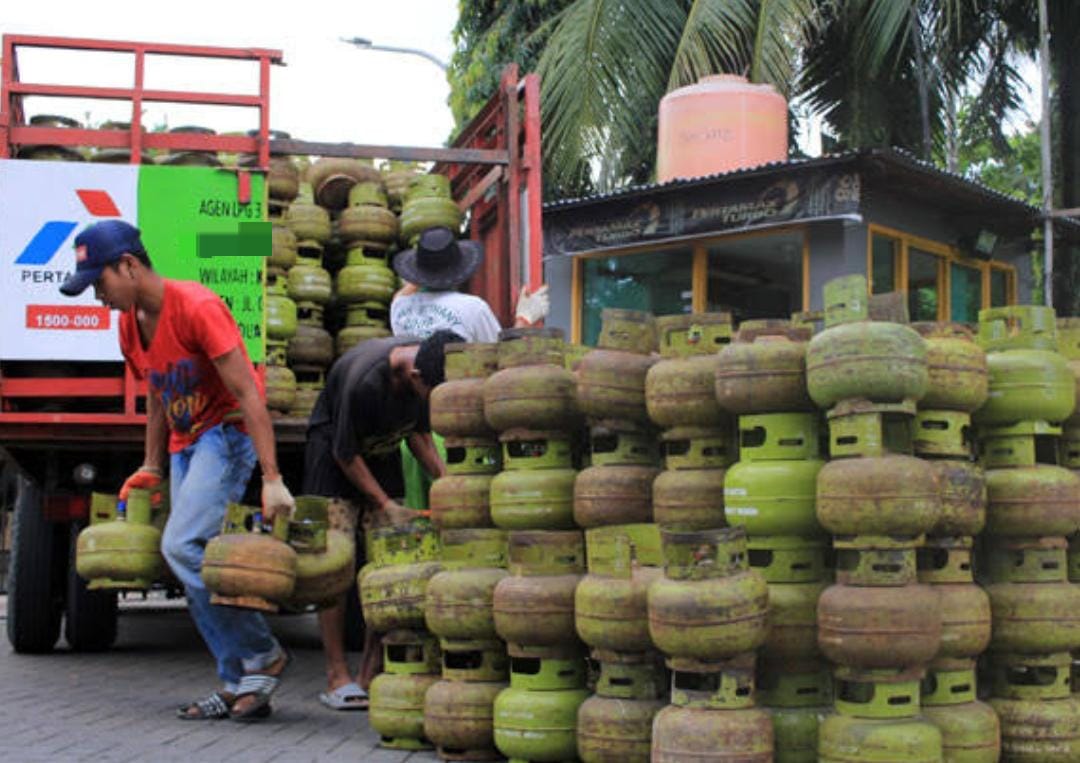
494,167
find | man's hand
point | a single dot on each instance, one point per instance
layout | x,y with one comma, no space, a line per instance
393,513
532,307
145,478
276,499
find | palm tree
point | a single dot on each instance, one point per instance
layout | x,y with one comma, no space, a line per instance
879,70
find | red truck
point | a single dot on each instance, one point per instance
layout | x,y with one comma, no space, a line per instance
71,416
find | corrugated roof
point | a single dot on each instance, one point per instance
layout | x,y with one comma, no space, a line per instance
894,155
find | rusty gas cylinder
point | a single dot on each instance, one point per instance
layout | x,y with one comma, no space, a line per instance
535,605
962,486
532,388
306,219
728,736
460,501
611,378
457,405
945,565
325,557
610,605
332,178
1040,500
397,709
370,225
615,725
392,597
689,494
764,369
680,389
709,605
280,388
877,361
970,731
1035,609
958,379
459,599
311,346
879,627
886,495
282,247
1040,721
459,719
254,569
613,495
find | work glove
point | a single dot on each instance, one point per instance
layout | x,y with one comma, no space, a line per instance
393,513
533,307
276,499
145,478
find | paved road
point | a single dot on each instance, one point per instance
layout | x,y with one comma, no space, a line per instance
118,706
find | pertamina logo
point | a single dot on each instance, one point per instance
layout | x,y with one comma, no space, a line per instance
50,238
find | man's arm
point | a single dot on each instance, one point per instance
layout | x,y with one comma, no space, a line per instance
157,433
356,469
423,447
236,373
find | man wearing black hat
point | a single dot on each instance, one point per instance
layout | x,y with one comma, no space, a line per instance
205,406
376,397
436,268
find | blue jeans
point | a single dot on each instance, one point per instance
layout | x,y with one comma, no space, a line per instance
204,477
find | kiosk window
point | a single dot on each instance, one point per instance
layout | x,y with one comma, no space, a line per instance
885,259
658,282
756,276
924,286
965,293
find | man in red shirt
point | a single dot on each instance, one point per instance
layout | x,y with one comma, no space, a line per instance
205,407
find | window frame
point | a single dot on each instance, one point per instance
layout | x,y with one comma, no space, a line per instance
947,256
699,280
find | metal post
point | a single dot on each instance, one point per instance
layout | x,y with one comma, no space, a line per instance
1047,171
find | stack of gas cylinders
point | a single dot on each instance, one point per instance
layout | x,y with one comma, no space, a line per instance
393,588
613,503
531,402
459,710
771,492
329,280
1033,508
708,613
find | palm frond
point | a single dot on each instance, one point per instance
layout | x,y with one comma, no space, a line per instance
717,37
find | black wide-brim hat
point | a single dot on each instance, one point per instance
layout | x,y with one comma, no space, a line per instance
439,260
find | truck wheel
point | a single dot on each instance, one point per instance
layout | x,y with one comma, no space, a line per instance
33,605
89,616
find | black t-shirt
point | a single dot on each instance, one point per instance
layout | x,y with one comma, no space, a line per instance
358,414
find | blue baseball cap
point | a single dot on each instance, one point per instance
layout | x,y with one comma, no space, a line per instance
101,244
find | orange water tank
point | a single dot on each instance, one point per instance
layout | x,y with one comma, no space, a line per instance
722,123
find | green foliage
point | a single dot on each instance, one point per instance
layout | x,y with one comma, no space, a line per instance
489,35
1014,171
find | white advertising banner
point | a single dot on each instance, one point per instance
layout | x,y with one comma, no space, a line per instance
43,206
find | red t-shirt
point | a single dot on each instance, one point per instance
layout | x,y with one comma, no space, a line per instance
194,328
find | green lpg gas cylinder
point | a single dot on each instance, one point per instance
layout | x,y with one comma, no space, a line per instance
1028,385
472,455
709,605
797,703
876,361
536,718
533,500
1040,721
124,553
773,497
958,376
1040,500
1017,327
611,384
393,597
970,730
309,282
397,709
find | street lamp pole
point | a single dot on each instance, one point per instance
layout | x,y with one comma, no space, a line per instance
366,44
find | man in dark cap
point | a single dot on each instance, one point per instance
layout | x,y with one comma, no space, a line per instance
376,396
205,407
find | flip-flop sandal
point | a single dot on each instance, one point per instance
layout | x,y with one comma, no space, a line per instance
261,686
347,697
213,708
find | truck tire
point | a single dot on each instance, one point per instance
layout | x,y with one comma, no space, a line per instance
89,616
33,605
